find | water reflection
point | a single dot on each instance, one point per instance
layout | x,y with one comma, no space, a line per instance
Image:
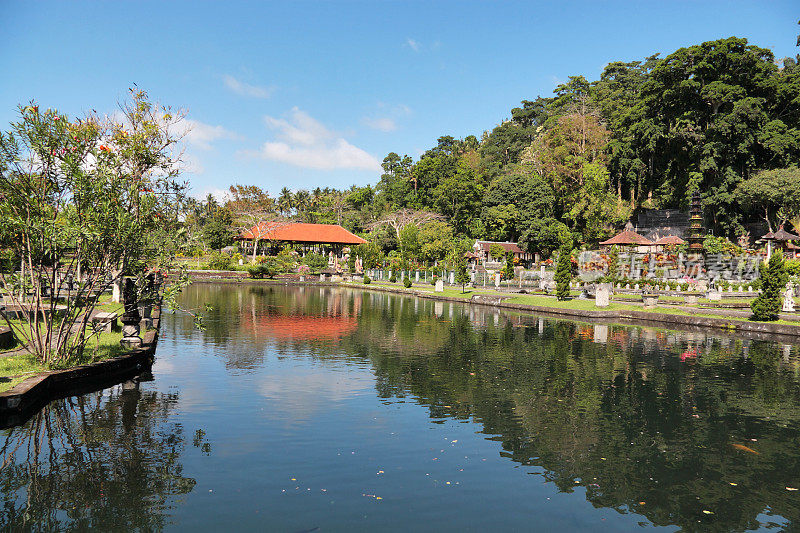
680,429
107,461
685,428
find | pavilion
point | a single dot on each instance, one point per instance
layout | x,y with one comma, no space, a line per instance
669,240
481,251
782,240
318,238
629,238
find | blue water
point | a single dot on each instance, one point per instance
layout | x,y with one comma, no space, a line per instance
304,408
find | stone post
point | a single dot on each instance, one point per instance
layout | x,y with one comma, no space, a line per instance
602,295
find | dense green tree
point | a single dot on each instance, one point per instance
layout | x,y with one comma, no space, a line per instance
435,239
508,269
458,197
775,193
767,306
217,229
720,111
563,275
544,236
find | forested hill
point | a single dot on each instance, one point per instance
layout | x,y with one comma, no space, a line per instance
646,134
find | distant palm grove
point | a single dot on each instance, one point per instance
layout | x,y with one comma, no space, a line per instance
722,117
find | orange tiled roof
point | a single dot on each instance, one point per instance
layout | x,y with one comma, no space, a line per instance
485,246
670,239
628,237
301,232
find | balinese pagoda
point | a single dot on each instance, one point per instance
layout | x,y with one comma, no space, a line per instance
696,235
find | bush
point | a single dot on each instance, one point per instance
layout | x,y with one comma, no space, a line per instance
266,267
792,267
767,305
220,261
433,280
407,282
393,279
367,281
563,272
315,262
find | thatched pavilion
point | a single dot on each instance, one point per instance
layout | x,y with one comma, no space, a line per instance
783,241
631,239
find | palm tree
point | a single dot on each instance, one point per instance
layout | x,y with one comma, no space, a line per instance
285,201
302,202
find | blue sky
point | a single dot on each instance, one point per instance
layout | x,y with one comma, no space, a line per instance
306,94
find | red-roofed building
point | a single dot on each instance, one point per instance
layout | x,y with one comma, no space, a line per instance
629,238
482,250
321,237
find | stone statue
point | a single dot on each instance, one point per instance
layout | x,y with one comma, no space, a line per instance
788,299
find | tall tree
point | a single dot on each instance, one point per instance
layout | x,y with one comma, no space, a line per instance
251,206
775,193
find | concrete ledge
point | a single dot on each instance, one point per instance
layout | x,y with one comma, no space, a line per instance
27,397
762,330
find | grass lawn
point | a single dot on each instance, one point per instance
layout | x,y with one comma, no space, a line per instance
541,300
16,368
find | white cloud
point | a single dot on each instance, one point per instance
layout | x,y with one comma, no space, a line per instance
413,44
220,194
201,135
245,89
305,142
384,124
190,164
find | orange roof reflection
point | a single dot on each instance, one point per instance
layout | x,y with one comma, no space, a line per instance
304,327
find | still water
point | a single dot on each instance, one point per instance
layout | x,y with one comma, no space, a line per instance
305,408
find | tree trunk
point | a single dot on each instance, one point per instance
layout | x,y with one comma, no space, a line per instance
255,249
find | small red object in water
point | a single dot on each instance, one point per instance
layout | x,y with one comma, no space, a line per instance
688,354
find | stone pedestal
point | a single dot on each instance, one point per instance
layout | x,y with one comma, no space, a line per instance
416,277
650,301
714,295
602,295
439,286
452,278
497,280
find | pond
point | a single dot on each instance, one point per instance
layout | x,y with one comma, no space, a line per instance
331,409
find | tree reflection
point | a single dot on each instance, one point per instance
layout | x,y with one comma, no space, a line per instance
688,429
659,423
108,460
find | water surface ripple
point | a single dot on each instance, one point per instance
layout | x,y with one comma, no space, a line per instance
338,409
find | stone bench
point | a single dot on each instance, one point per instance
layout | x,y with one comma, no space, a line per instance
104,321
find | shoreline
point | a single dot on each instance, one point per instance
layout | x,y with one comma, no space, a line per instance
26,398
691,319
650,318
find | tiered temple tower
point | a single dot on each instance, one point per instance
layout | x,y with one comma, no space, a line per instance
696,233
